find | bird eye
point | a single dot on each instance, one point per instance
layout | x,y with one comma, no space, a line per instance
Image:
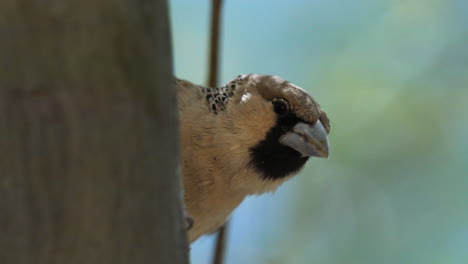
280,106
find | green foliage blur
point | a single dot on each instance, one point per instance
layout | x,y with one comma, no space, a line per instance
393,78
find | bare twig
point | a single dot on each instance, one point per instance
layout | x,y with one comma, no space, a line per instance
213,82
214,43
221,244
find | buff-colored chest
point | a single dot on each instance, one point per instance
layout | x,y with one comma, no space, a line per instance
209,206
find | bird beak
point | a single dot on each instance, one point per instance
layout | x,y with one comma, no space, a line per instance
309,140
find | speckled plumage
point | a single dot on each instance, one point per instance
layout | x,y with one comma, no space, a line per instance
230,143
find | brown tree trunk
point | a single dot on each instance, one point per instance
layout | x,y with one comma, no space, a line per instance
89,169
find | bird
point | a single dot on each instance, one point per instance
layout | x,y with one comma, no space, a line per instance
244,138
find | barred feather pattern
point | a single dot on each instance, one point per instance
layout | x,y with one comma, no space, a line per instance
217,98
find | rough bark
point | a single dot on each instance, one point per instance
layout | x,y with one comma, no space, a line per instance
88,134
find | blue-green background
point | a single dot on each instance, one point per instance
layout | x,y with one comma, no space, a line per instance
393,78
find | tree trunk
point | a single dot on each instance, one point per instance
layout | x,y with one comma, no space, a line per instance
89,169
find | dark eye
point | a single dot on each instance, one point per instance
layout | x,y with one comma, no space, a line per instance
280,106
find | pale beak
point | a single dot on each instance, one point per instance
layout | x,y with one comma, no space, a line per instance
309,140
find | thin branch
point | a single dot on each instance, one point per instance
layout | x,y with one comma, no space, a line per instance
214,43
213,82
221,244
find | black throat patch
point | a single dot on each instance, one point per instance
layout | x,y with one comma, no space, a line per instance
273,159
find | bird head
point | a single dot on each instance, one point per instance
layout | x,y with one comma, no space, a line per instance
279,124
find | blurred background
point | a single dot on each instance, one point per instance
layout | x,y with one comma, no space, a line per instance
393,78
